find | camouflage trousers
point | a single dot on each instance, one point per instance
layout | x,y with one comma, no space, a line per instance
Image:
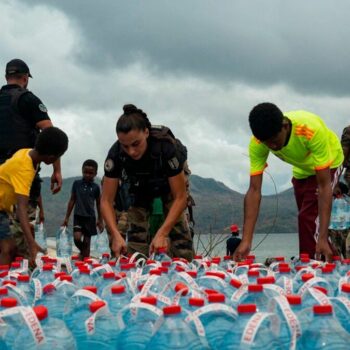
17,233
138,235
341,242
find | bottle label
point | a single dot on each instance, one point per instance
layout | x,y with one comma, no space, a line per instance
133,257
190,281
310,283
288,314
135,306
288,285
346,303
237,295
244,279
25,264
215,307
87,294
17,291
90,323
149,283
319,296
38,290
251,328
34,325
275,288
217,279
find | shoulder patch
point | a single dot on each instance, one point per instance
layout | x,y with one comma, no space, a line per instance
42,107
109,165
174,163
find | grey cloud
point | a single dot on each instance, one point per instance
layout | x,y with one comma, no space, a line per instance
303,44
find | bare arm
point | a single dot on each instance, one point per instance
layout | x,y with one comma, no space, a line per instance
178,190
109,191
41,209
56,177
99,216
21,212
324,211
70,207
251,211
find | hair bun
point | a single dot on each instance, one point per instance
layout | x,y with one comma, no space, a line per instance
130,108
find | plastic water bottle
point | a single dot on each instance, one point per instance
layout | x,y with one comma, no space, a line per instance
46,275
255,295
253,330
40,332
315,296
107,279
64,242
345,291
341,308
138,321
284,279
76,309
117,297
12,319
174,332
24,285
217,319
40,236
82,277
161,255
324,332
51,299
102,243
339,214
65,287
290,328
99,330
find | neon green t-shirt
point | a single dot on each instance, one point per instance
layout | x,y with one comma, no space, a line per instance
312,146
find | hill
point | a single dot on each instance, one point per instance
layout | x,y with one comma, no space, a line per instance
217,207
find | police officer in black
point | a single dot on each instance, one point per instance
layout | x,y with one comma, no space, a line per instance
22,116
152,162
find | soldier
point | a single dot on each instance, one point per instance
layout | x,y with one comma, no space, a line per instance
153,162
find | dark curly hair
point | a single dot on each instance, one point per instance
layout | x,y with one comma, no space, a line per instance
51,141
92,163
265,121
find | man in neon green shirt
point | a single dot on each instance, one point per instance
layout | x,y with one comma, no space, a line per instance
303,140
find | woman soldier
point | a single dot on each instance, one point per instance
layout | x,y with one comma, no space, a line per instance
151,160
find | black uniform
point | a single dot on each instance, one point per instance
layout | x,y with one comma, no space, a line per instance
148,178
20,111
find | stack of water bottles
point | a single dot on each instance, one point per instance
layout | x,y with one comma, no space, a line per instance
160,302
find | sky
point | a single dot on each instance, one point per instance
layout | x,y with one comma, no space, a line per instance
197,66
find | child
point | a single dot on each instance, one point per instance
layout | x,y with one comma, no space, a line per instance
84,193
16,177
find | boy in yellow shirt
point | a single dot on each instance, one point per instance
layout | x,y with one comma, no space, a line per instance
16,177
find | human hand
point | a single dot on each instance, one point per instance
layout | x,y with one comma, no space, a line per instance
100,225
118,246
159,241
323,248
242,251
56,182
34,248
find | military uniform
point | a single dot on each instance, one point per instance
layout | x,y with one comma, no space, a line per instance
345,142
148,179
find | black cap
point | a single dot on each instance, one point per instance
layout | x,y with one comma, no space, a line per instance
17,66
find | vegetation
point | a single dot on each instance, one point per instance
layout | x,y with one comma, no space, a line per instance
217,207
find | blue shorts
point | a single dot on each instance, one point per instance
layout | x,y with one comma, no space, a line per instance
5,232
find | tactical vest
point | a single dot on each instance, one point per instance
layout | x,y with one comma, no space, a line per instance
15,131
154,182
